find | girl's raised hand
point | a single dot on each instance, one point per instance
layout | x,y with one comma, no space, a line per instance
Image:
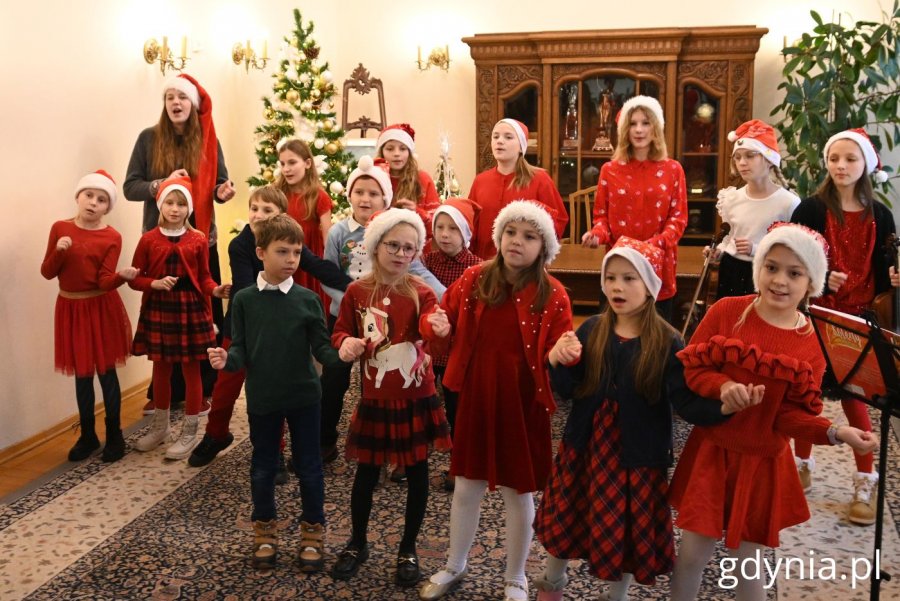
567,349
861,441
743,245
179,173
166,283
64,243
404,203
590,240
222,291
217,357
439,323
836,279
225,192
351,349
128,273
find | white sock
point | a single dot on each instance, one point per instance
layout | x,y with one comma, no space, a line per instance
465,510
555,569
618,591
693,555
519,520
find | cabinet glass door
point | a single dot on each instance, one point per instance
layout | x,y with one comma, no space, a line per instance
523,106
699,155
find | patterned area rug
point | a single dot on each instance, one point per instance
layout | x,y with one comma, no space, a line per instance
146,529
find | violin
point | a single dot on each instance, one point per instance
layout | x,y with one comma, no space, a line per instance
886,305
704,276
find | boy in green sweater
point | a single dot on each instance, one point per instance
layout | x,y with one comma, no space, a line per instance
277,329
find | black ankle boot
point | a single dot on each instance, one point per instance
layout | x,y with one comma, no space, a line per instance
115,445
86,444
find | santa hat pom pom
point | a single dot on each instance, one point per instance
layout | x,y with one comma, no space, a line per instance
365,163
732,136
880,176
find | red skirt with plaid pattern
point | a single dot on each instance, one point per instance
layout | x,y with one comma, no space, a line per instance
175,325
397,432
615,518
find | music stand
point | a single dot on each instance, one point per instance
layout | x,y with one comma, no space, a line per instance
847,384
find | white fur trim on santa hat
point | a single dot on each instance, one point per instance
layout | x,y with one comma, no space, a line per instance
172,188
868,150
98,181
381,223
536,215
772,156
458,218
366,166
521,135
640,264
183,85
396,134
803,244
644,102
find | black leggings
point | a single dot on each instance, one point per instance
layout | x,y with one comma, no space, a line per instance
112,401
416,501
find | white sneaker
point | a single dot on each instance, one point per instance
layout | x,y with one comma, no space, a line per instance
159,431
185,444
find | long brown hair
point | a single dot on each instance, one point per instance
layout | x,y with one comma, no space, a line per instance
408,185
524,173
309,185
656,337
828,193
658,149
492,284
172,150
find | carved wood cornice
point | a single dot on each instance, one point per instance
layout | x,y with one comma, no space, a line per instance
510,77
558,72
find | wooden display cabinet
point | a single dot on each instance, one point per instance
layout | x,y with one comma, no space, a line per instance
567,87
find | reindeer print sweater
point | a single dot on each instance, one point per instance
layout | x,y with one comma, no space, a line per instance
396,363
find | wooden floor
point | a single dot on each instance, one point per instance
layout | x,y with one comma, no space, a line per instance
30,465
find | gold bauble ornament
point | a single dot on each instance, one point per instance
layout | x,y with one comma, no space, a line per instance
306,106
292,96
268,175
331,148
454,185
315,94
268,114
327,125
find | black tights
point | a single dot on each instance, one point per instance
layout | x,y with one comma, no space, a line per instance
416,501
112,400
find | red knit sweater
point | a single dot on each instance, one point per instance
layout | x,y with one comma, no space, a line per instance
89,264
788,362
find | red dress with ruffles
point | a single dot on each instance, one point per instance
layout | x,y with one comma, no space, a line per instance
739,476
93,333
312,237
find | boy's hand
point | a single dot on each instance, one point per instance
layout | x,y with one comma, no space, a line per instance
439,323
225,192
566,350
351,349
64,243
222,291
166,283
128,273
217,357
862,442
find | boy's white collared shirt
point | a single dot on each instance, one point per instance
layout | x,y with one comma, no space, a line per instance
284,286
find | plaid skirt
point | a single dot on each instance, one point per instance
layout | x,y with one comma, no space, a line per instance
615,518
397,432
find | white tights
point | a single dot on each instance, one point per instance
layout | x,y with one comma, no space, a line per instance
465,511
555,571
693,556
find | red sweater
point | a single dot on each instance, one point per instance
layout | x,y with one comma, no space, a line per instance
645,200
492,191
788,362
539,331
152,251
395,349
89,264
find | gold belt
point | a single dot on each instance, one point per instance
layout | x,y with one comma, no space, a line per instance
80,295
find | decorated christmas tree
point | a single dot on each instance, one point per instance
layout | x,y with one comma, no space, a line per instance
444,176
303,107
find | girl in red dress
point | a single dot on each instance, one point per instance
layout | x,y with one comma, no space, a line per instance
91,328
761,353
857,228
512,179
413,188
606,499
175,324
308,203
505,315
641,192
399,415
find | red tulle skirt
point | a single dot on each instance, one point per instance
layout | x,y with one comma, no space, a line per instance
91,334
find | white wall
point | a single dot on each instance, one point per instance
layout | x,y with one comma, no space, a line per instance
76,93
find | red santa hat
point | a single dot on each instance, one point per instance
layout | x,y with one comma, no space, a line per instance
399,132
187,85
181,184
759,136
463,212
534,213
647,103
99,180
862,139
809,246
383,221
376,169
521,132
646,259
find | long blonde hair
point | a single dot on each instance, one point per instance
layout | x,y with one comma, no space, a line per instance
308,188
168,153
658,150
648,370
408,185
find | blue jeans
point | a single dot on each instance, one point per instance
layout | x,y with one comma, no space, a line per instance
265,435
